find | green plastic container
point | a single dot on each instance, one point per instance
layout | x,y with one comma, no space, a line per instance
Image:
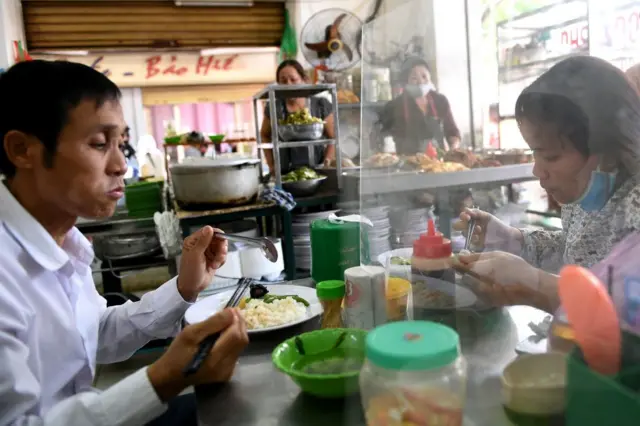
336,247
597,400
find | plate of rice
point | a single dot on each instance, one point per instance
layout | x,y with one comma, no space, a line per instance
262,316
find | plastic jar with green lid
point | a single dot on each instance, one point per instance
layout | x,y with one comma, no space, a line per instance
331,293
414,373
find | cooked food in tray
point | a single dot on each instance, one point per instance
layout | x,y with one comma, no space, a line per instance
431,165
382,159
347,97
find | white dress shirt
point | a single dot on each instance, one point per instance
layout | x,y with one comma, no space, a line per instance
55,327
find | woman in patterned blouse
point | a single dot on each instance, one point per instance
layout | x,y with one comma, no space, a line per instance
582,120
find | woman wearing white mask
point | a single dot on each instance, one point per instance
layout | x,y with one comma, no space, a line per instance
582,120
420,115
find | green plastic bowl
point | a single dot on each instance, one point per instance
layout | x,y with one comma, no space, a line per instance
216,138
288,360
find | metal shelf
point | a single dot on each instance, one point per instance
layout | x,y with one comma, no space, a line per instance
276,92
376,182
282,91
298,143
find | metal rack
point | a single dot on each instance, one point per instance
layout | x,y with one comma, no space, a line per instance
275,92
372,183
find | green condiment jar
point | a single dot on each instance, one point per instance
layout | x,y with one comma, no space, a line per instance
331,293
335,247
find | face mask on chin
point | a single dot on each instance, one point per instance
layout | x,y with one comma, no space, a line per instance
426,88
413,90
601,187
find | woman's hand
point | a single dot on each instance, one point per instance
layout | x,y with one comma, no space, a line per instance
489,232
166,375
504,279
202,255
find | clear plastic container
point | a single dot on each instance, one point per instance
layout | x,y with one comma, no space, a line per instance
414,373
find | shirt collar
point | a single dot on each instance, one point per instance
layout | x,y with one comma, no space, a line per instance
36,241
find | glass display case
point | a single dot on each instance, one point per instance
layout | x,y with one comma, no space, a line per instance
411,174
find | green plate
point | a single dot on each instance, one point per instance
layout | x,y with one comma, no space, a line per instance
317,346
216,138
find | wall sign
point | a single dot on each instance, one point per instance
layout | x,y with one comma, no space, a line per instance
179,68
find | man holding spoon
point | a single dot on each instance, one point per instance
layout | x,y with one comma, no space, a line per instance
61,127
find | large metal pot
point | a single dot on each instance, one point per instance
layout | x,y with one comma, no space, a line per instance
216,181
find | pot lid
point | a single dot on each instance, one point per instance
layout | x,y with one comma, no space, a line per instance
199,163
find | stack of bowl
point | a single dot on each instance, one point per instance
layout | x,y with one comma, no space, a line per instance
143,199
301,232
378,235
407,225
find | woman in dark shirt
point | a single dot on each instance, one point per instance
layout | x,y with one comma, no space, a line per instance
291,72
420,114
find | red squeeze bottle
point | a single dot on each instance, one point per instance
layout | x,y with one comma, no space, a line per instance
431,260
432,245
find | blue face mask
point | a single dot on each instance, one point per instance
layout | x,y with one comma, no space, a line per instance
597,194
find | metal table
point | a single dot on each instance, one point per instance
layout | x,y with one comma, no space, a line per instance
260,395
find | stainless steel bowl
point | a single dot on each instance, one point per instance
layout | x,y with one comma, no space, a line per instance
120,247
301,132
303,188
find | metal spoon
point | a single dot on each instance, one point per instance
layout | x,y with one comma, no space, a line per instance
470,230
268,248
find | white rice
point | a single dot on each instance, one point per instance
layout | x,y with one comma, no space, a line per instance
259,314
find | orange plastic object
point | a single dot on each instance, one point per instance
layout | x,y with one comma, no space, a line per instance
593,317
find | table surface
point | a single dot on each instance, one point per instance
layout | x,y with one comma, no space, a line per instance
260,395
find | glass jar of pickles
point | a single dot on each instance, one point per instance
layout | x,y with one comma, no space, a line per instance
414,374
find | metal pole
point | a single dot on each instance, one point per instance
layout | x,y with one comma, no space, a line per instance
336,126
469,79
274,137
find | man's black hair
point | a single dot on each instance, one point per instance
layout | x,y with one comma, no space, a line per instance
37,96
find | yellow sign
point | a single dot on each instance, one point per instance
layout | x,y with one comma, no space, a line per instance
179,68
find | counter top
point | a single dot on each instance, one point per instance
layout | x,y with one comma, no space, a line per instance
260,395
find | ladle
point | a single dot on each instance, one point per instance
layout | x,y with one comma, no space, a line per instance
266,245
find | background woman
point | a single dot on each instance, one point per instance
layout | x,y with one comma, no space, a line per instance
291,72
582,120
420,114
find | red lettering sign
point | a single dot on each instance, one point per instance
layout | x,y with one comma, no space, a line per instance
208,63
204,65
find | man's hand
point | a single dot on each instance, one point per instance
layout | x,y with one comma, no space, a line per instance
202,255
166,373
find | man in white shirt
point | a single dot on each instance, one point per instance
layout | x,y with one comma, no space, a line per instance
61,127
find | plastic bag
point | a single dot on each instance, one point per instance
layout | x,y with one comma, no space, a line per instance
620,271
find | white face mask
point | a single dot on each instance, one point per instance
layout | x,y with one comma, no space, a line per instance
426,88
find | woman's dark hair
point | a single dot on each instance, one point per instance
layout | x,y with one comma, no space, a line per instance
409,64
38,96
291,63
547,109
593,104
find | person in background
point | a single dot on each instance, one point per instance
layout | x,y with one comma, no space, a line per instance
291,72
633,74
62,158
420,114
582,120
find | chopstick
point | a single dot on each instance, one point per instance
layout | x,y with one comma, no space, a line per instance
207,344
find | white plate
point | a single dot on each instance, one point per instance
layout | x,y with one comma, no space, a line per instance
402,271
208,306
